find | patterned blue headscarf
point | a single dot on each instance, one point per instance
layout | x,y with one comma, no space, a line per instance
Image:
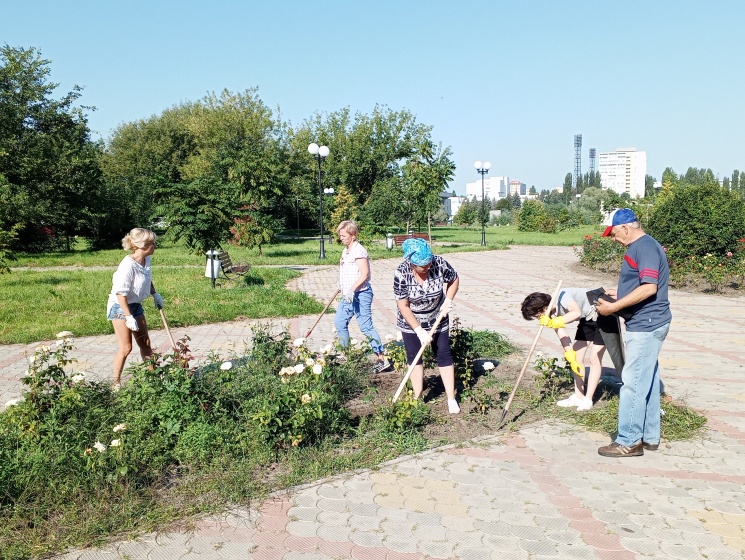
417,251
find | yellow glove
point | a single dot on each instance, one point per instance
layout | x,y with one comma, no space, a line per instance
571,357
555,323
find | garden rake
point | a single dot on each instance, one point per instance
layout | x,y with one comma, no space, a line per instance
168,331
416,358
331,300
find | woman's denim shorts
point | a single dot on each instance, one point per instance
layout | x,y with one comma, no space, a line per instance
116,311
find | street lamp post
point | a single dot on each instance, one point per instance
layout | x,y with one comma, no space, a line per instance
320,152
483,169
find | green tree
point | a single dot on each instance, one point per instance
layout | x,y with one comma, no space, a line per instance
503,204
568,191
200,212
255,228
49,172
735,182
515,201
531,215
468,212
345,207
649,189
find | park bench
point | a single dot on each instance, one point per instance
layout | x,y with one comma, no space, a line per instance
230,269
399,239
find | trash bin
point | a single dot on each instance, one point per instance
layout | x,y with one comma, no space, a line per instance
216,264
389,241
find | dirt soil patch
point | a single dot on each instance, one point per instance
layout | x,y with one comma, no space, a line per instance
472,421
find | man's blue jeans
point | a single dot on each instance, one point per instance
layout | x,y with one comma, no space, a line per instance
361,307
639,402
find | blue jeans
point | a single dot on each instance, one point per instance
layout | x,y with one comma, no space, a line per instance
639,401
361,307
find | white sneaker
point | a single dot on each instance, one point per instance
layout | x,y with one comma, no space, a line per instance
585,404
570,401
453,407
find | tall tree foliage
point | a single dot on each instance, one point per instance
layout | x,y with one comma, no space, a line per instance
203,165
386,160
49,172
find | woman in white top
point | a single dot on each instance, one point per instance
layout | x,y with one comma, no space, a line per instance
356,293
132,284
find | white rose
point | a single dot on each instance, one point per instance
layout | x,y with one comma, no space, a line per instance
318,369
100,447
306,398
78,377
389,336
327,349
354,342
299,368
13,402
114,443
120,427
488,366
225,366
64,334
298,342
31,359
309,362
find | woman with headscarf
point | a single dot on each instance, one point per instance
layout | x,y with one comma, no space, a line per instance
424,286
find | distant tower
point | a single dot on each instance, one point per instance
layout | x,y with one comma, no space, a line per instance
577,158
592,160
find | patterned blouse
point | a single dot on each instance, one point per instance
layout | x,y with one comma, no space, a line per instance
424,299
349,272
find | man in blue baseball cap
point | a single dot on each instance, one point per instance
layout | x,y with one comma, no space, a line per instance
642,292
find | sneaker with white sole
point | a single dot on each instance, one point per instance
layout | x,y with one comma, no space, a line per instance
380,367
453,407
568,402
585,404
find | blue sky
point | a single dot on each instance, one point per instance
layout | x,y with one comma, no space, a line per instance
508,82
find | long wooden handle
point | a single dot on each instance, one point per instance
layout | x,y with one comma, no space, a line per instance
168,331
416,358
530,353
331,300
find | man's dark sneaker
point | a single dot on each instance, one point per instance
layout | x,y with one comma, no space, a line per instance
650,446
380,367
618,450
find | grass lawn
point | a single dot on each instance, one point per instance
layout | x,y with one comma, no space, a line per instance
36,305
305,251
509,235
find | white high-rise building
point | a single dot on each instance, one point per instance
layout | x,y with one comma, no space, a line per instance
623,171
494,187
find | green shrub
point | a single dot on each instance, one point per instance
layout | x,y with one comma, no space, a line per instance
601,253
406,414
696,220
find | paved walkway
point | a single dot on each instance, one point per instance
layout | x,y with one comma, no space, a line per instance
541,493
